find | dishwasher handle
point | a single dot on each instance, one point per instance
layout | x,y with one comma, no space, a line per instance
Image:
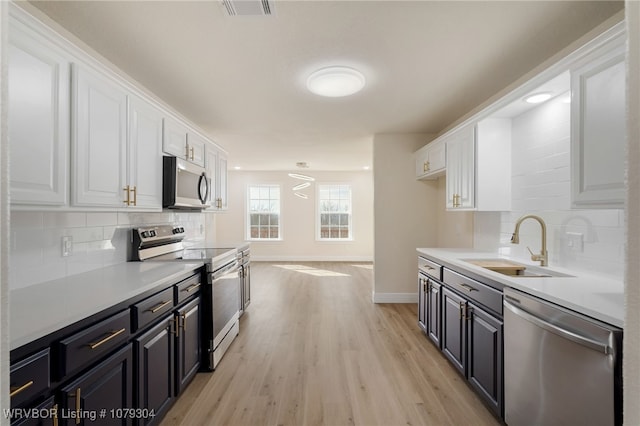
581,340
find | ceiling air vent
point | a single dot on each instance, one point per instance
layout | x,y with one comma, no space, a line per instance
248,7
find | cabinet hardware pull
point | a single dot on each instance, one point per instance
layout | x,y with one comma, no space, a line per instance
127,194
184,322
135,195
106,339
462,305
191,288
187,154
176,327
192,154
468,287
160,306
78,406
467,312
17,390
55,415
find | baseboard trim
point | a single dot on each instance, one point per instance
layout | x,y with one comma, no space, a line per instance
395,297
259,258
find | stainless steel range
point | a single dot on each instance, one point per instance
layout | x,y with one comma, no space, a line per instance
220,295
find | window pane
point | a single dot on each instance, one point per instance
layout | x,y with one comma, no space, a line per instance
334,219
324,219
273,232
253,205
254,232
253,192
344,219
273,206
264,193
344,233
274,193
254,219
273,219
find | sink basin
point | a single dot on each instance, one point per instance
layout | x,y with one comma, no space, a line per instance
515,269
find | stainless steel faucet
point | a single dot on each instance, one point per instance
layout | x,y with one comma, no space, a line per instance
543,257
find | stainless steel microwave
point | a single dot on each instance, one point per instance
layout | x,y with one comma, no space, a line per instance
184,185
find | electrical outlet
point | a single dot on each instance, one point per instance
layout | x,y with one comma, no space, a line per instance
67,246
575,241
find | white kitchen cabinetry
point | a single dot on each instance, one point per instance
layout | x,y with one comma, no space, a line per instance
116,149
479,167
181,143
217,171
144,153
431,160
598,128
38,120
99,142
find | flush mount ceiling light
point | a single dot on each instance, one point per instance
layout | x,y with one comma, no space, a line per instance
301,177
303,196
537,98
301,186
335,82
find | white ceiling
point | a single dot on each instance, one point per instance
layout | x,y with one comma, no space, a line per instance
241,79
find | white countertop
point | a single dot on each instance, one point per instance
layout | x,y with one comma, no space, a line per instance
41,309
598,297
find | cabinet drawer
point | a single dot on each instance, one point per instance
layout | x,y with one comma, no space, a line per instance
474,290
152,308
430,268
29,377
90,344
187,288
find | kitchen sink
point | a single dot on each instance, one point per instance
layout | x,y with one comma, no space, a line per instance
515,269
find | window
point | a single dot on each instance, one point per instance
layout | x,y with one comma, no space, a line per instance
263,221
334,212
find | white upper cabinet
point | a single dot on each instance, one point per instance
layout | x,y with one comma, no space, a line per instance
144,166
38,118
598,128
479,167
217,172
180,142
99,142
461,169
431,160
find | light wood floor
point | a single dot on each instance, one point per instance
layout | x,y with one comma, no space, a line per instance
314,350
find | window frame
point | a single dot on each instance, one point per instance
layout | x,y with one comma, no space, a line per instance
247,212
318,213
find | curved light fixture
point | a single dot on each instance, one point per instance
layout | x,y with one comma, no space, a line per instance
335,82
301,195
301,186
538,98
301,177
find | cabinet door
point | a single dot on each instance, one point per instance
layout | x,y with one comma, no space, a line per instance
484,342
434,313
460,160
48,415
174,141
422,302
196,149
454,329
99,140
155,374
189,345
222,188
437,157
145,154
598,130
104,388
212,173
38,120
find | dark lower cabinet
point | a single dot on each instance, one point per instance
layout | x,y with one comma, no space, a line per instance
155,369
454,328
422,302
188,346
45,414
434,311
484,338
105,389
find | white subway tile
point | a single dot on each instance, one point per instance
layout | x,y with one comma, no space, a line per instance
102,219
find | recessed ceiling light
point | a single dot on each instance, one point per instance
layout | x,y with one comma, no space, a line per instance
537,98
301,177
365,167
237,168
298,194
301,186
335,81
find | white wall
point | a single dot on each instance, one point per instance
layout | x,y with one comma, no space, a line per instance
99,240
298,218
541,185
405,216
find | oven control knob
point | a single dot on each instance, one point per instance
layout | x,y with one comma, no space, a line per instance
181,230
152,233
144,234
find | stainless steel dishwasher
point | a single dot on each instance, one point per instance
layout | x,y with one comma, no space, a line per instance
560,367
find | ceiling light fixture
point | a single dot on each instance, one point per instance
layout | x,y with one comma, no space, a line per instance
335,82
301,177
298,194
301,186
538,98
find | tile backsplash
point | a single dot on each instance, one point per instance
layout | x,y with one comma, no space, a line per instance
589,240
99,239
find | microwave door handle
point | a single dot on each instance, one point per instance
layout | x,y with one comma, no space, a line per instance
203,198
